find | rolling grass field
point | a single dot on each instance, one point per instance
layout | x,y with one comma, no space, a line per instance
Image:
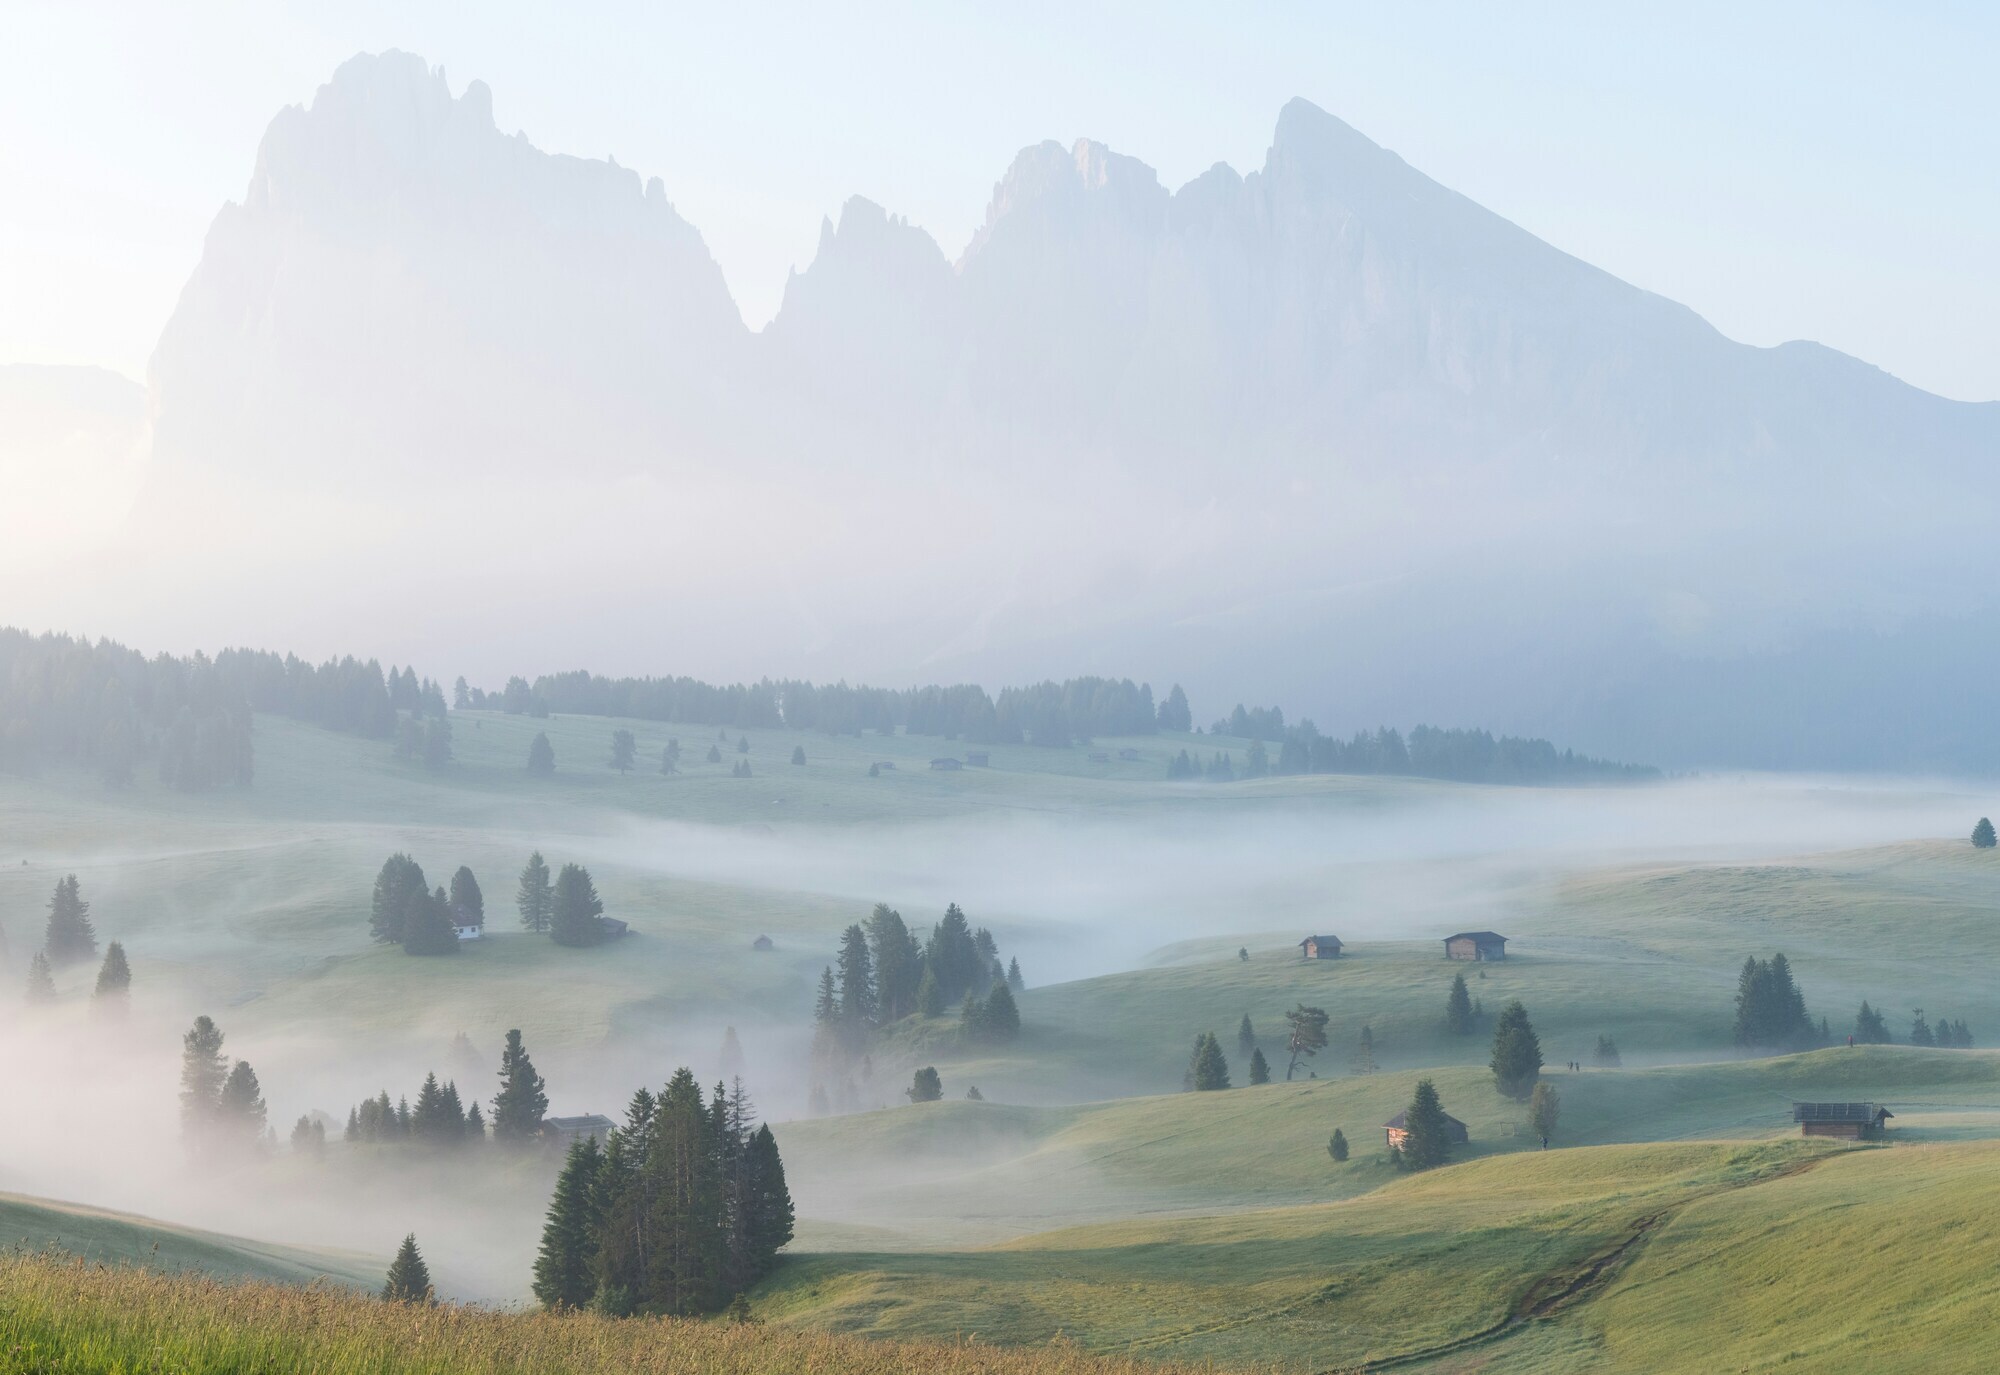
30,1225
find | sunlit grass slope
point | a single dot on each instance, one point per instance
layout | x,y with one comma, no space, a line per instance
31,1224
962,1173
1425,1261
61,1317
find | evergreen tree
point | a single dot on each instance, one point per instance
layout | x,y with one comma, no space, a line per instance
536,898
1014,979
1336,1145
898,964
1544,1107
1246,1036
400,891
1869,1027
203,1073
475,1123
767,1206
541,755
114,976
1606,1055
714,755
523,1100
624,751
71,939
1517,1052
925,1086
468,904
1427,1139
1770,1009
1920,1030
973,1095
1260,1069
682,1166
954,956
625,1207
437,743
565,1270
857,986
1305,1035
1982,834
573,919
41,982
1174,714
409,1278
1000,1019
308,1137
1458,1008
731,1057
239,1108
427,926
1208,1070
799,754
971,1020
930,994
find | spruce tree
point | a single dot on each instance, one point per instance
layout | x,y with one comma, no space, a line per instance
799,755
468,904
972,1020
565,1267
1982,834
400,891
1000,1019
1427,1139
930,996
1014,979
925,1086
519,1107
71,939
203,1073
683,1168
475,1122
409,1278
857,986
1870,1029
1544,1107
541,755
239,1108
1458,1008
41,982
308,1137
114,976
1208,1070
1517,1052
1246,1036
1336,1145
1920,1030
574,918
427,926
1606,1054
767,1204
1260,1069
898,964
535,900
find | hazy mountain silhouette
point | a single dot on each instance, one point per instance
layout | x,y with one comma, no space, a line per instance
1326,433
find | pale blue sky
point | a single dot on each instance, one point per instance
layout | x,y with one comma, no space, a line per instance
1822,171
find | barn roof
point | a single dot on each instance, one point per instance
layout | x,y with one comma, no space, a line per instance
1322,940
1839,1112
1481,936
591,1121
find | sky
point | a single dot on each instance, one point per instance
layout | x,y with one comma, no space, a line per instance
1817,171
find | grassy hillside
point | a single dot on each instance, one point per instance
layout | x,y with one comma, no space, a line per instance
975,1173
62,1317
1694,1257
33,1224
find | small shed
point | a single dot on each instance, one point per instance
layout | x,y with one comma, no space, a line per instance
613,928
1130,756
566,1131
1397,1128
1320,948
762,943
979,759
946,765
1848,1121
1475,945
468,928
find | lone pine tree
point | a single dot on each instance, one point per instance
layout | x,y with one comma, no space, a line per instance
1260,1069
519,1107
541,755
1458,1008
1426,1134
203,1073
1208,1070
1246,1036
41,981
925,1086
624,751
70,939
114,976
1517,1052
409,1278
1336,1145
536,899
1982,834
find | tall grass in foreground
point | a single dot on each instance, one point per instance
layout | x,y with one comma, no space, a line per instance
62,1316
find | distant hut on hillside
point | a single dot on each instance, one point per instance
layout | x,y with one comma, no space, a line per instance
1320,948
1475,945
563,1132
1848,1121
946,765
1397,1128
613,928
762,943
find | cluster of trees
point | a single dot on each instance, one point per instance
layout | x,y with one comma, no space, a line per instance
103,707
1771,1014
1871,1028
344,694
884,976
441,1120
684,1207
1046,713
405,911
1517,1053
1473,756
1426,1142
222,1105
1462,1013
71,939
423,737
567,910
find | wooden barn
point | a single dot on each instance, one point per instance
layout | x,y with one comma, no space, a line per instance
1475,945
1398,1127
565,1131
946,765
1848,1121
1320,948
762,943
